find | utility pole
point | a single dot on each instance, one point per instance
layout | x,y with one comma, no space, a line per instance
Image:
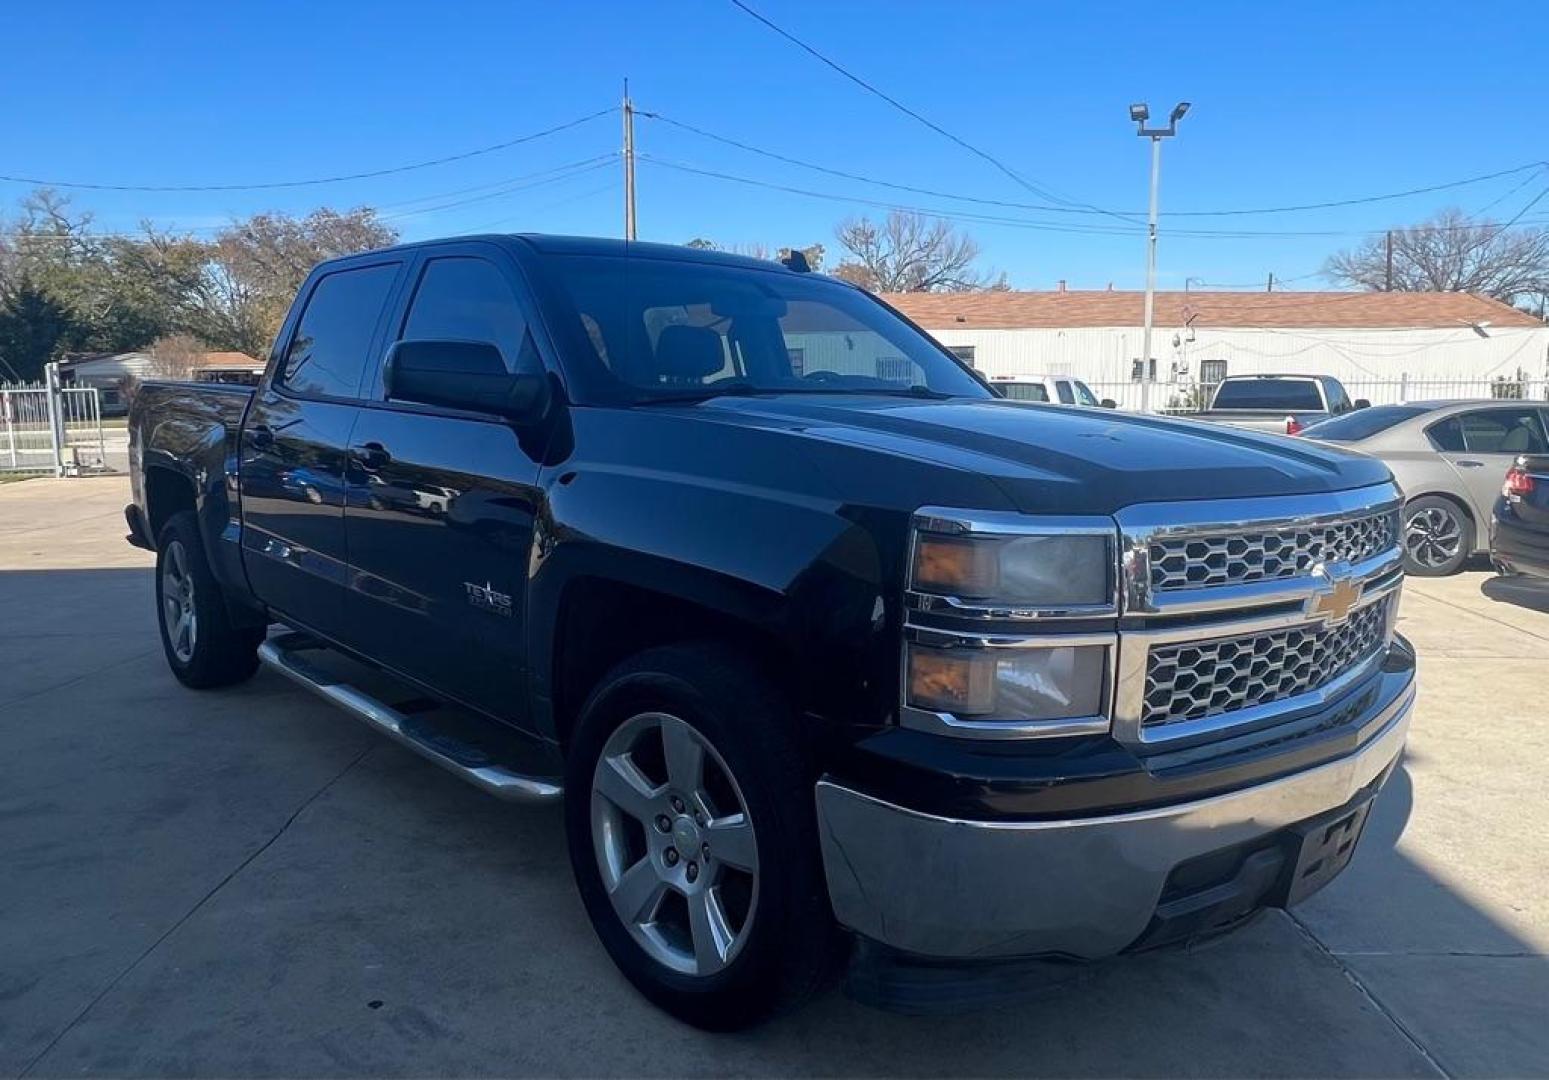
629,165
1271,286
1140,113
1388,287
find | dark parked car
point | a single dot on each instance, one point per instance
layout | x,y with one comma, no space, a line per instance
1519,526
832,654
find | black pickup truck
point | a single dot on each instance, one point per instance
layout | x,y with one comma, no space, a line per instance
833,656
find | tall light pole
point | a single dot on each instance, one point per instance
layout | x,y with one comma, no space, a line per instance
1140,114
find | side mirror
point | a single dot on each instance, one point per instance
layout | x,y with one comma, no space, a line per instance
1362,403
1108,403
468,375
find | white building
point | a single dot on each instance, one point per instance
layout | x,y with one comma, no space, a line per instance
1383,346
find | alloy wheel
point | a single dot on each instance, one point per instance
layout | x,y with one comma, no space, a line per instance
674,843
177,602
1433,536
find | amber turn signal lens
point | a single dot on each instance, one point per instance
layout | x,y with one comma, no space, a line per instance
959,567
944,681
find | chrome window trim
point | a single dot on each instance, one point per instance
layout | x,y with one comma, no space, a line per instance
951,521
1143,523
1135,654
944,723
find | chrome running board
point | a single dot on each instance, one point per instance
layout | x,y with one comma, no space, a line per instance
478,764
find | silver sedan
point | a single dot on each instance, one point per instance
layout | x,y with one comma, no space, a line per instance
1450,458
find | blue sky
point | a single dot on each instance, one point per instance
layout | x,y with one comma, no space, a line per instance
1305,103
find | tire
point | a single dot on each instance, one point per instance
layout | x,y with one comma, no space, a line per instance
203,647
1438,537
772,939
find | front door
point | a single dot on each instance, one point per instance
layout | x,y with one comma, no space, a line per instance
294,443
1482,443
440,516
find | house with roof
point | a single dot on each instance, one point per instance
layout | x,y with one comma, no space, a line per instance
1385,346
228,367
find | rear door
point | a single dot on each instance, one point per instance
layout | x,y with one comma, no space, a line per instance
1480,445
442,502
294,440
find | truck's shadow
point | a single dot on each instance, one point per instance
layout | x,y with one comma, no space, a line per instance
381,918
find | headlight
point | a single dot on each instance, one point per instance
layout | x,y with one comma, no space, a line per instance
984,657
1041,565
1033,683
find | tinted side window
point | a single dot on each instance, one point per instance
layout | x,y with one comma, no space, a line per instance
1067,395
1446,436
1502,431
467,299
328,353
1338,400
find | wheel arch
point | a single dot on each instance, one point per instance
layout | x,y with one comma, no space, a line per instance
602,621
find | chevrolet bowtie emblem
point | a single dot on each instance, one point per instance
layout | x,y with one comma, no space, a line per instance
1334,605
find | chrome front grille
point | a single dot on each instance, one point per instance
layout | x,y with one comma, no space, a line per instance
1193,680
1202,560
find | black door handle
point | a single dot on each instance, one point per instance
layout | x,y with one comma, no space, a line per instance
373,456
1471,464
260,437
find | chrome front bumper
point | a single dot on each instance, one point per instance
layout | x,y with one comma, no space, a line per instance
1088,887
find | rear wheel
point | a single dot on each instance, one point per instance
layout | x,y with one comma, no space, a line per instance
1438,537
692,833
203,647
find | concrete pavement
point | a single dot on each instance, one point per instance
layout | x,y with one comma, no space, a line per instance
247,883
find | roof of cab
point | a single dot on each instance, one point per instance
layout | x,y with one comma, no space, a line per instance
545,244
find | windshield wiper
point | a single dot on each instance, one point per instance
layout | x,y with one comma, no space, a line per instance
740,388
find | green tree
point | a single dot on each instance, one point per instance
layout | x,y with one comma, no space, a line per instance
35,327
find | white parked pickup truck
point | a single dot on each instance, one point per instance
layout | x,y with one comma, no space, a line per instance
1056,388
1279,403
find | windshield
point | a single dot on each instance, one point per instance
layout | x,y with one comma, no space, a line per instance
1278,394
1363,423
649,328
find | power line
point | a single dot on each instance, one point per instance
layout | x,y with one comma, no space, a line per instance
550,176
314,181
1531,168
1087,229
1036,189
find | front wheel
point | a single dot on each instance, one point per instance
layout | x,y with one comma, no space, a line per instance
204,648
692,832
1438,537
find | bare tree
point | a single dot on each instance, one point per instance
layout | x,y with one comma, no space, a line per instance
258,264
912,253
175,356
1451,252
757,250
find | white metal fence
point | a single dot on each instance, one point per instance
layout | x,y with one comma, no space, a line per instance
1184,398
51,429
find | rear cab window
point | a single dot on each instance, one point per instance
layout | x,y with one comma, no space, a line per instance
1289,395
1023,391
330,350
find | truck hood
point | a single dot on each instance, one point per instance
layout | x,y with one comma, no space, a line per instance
1054,459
